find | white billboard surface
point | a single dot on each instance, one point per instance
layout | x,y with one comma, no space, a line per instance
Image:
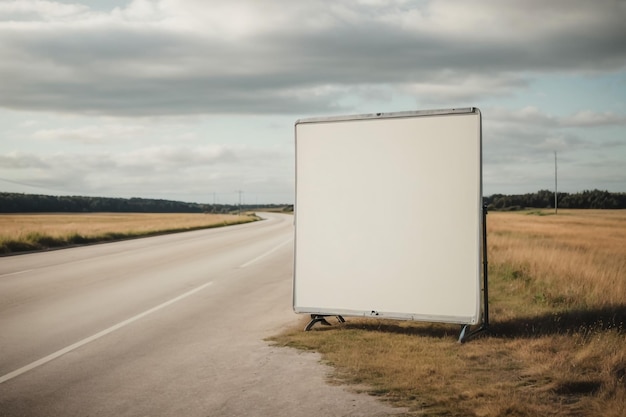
388,216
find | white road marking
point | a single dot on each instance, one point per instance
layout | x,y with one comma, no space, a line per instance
15,273
269,252
96,336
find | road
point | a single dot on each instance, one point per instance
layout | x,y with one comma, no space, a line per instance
163,326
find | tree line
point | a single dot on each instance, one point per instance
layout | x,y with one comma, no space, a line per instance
36,203
588,199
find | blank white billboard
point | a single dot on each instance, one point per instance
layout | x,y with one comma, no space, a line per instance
388,216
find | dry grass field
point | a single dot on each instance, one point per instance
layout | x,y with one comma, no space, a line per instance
24,232
557,339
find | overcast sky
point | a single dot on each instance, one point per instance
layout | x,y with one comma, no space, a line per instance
195,100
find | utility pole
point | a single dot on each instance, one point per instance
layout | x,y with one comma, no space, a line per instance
239,191
556,206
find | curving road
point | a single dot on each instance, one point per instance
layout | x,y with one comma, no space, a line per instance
164,326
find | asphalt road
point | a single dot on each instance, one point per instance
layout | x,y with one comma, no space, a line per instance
163,326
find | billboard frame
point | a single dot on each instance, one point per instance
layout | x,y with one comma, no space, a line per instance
318,313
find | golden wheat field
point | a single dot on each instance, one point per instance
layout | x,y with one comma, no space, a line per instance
575,258
556,344
19,232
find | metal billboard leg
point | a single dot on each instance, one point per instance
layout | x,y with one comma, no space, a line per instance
464,336
321,318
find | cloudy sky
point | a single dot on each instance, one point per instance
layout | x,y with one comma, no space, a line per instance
196,100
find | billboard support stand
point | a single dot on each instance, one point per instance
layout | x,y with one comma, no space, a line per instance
464,336
321,318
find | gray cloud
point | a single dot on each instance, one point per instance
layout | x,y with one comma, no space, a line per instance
164,68
519,146
587,118
159,171
164,58
90,134
20,161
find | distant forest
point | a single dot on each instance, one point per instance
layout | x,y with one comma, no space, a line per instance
590,199
35,203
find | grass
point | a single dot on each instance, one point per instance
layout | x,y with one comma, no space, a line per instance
557,339
28,232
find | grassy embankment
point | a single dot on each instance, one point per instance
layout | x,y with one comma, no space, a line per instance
27,232
557,345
